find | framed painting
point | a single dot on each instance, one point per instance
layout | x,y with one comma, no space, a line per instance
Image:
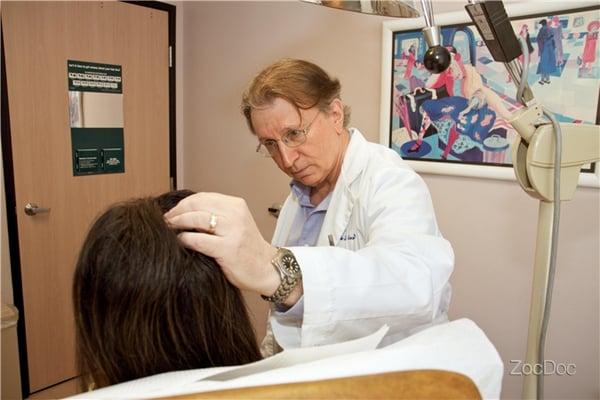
457,122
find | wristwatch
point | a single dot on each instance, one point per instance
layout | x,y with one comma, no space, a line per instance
289,271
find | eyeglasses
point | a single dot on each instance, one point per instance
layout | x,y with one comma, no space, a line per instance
291,138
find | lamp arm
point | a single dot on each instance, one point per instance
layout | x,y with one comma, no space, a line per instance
533,154
545,167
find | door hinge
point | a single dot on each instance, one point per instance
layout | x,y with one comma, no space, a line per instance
170,56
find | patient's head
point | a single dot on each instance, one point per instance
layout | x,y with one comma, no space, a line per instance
145,305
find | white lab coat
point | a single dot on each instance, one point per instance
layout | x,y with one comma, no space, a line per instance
390,264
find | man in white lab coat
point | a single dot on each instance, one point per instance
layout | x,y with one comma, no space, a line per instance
356,244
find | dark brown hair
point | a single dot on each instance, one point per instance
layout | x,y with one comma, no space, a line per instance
302,83
144,304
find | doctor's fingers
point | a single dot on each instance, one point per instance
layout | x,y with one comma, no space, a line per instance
201,221
204,243
210,202
212,246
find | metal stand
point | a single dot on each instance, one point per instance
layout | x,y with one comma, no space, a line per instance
534,168
538,296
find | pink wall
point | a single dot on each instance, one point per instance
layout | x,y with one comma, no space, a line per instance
490,223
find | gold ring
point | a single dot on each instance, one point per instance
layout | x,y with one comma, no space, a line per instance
212,223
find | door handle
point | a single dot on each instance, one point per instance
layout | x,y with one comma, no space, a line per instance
33,209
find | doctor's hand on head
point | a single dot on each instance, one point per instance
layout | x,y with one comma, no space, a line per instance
222,227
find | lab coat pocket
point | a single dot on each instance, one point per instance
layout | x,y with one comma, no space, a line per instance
352,237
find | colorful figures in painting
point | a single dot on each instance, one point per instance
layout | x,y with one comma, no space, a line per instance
558,40
411,65
591,41
524,33
547,51
410,61
463,113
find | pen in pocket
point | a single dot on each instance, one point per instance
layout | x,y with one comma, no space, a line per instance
331,242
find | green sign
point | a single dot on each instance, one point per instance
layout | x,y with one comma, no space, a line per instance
97,150
96,117
94,77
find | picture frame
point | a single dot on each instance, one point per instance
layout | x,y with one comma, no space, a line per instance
571,81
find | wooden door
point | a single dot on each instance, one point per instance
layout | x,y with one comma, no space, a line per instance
39,38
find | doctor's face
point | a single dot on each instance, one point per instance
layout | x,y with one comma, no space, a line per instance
319,158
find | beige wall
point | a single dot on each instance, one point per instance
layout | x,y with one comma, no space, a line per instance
490,223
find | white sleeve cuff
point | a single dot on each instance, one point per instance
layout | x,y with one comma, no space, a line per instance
295,312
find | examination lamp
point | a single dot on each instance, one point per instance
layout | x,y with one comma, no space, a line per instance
387,8
547,159
437,57
547,155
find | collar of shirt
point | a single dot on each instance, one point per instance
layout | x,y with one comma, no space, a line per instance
302,193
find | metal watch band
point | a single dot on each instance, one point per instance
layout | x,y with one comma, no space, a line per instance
290,275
